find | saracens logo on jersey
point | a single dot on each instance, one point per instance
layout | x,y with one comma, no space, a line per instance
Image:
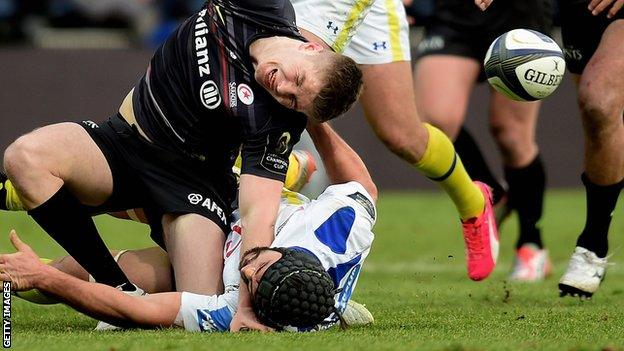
245,94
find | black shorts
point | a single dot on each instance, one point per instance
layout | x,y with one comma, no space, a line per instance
581,32
158,180
452,31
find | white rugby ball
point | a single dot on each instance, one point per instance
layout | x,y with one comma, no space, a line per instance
524,65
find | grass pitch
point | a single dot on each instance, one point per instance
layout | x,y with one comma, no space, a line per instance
414,283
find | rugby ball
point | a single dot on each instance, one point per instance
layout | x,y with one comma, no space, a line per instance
524,65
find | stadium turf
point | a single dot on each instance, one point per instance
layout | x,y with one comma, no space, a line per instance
414,283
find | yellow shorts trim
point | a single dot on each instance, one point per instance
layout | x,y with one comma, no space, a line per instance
354,18
395,31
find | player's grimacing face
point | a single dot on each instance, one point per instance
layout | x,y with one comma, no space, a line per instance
293,77
254,264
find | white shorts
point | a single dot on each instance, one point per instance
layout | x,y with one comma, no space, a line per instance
368,31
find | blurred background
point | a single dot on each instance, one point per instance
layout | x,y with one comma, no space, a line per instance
76,59
80,24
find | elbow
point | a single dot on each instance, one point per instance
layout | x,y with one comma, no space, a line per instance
372,190
148,316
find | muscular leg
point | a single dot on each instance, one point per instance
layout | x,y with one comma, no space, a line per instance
443,84
389,104
601,100
195,248
41,162
513,124
148,268
56,170
443,87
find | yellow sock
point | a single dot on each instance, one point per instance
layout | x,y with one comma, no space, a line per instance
292,175
12,201
441,164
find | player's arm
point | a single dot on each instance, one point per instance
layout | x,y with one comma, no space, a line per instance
268,139
341,162
258,203
25,271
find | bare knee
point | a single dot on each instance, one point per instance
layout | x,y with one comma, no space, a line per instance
21,157
27,167
449,121
600,110
410,145
515,142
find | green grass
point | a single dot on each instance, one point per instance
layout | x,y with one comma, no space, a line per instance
414,283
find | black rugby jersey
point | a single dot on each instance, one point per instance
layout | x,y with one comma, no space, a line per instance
199,95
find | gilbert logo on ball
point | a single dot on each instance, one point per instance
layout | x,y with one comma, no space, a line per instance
524,65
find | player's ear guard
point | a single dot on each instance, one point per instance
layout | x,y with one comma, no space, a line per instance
295,291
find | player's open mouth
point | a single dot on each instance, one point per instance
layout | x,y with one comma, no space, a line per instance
270,78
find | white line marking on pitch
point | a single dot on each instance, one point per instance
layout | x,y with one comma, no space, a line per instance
435,267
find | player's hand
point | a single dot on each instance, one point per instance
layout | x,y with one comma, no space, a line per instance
245,319
21,268
483,4
598,6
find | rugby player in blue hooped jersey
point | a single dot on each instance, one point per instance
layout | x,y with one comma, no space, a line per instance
319,245
236,76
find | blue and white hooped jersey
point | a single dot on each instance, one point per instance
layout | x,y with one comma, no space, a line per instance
336,228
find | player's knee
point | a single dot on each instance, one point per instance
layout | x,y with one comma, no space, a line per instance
599,109
21,156
408,147
505,135
448,122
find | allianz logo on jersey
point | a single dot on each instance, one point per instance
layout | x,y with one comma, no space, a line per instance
209,95
209,92
207,203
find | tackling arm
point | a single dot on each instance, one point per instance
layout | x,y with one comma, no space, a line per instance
341,162
259,200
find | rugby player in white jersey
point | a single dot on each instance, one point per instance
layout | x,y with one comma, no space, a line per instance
331,236
375,34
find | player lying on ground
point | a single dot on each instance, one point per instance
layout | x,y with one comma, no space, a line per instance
323,244
236,75
376,35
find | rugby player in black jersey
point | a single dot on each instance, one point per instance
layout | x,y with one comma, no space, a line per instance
237,76
592,32
593,39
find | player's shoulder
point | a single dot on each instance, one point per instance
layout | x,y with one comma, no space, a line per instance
352,193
